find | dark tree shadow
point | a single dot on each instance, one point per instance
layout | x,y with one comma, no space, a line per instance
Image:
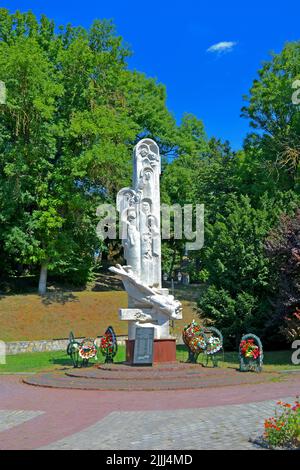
60,297
67,363
107,282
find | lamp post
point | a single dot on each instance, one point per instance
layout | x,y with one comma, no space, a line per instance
172,290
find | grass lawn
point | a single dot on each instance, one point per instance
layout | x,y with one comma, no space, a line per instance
34,362
86,313
273,360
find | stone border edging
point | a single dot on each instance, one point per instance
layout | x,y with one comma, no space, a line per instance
20,347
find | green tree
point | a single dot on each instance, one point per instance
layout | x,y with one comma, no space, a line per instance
237,269
180,180
283,250
271,111
73,114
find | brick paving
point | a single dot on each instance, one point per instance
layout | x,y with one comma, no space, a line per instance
216,417
11,418
213,428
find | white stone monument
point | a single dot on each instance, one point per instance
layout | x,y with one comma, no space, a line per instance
139,209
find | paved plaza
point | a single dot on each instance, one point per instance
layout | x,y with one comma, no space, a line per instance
210,418
218,427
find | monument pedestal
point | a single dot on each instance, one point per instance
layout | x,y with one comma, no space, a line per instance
164,350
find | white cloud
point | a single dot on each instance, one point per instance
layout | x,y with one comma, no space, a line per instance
222,47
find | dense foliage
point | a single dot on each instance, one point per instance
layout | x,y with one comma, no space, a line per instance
73,113
283,250
245,193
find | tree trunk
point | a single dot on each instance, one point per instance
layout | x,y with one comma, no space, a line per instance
43,278
173,262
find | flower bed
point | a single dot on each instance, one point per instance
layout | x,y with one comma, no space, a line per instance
283,429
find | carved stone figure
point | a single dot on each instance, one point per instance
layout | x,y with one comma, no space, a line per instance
139,208
163,303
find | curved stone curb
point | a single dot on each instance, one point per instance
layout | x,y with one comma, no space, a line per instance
131,379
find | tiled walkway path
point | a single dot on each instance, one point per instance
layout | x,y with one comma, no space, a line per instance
218,427
221,417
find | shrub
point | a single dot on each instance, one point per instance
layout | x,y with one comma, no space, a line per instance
283,250
233,316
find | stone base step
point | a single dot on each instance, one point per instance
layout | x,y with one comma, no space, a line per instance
167,377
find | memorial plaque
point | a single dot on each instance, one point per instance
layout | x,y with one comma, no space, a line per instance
143,346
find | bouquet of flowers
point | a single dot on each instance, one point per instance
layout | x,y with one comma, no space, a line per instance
249,349
193,338
87,349
106,344
197,343
214,345
191,330
109,345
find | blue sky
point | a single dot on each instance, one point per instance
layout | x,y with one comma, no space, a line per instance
170,41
